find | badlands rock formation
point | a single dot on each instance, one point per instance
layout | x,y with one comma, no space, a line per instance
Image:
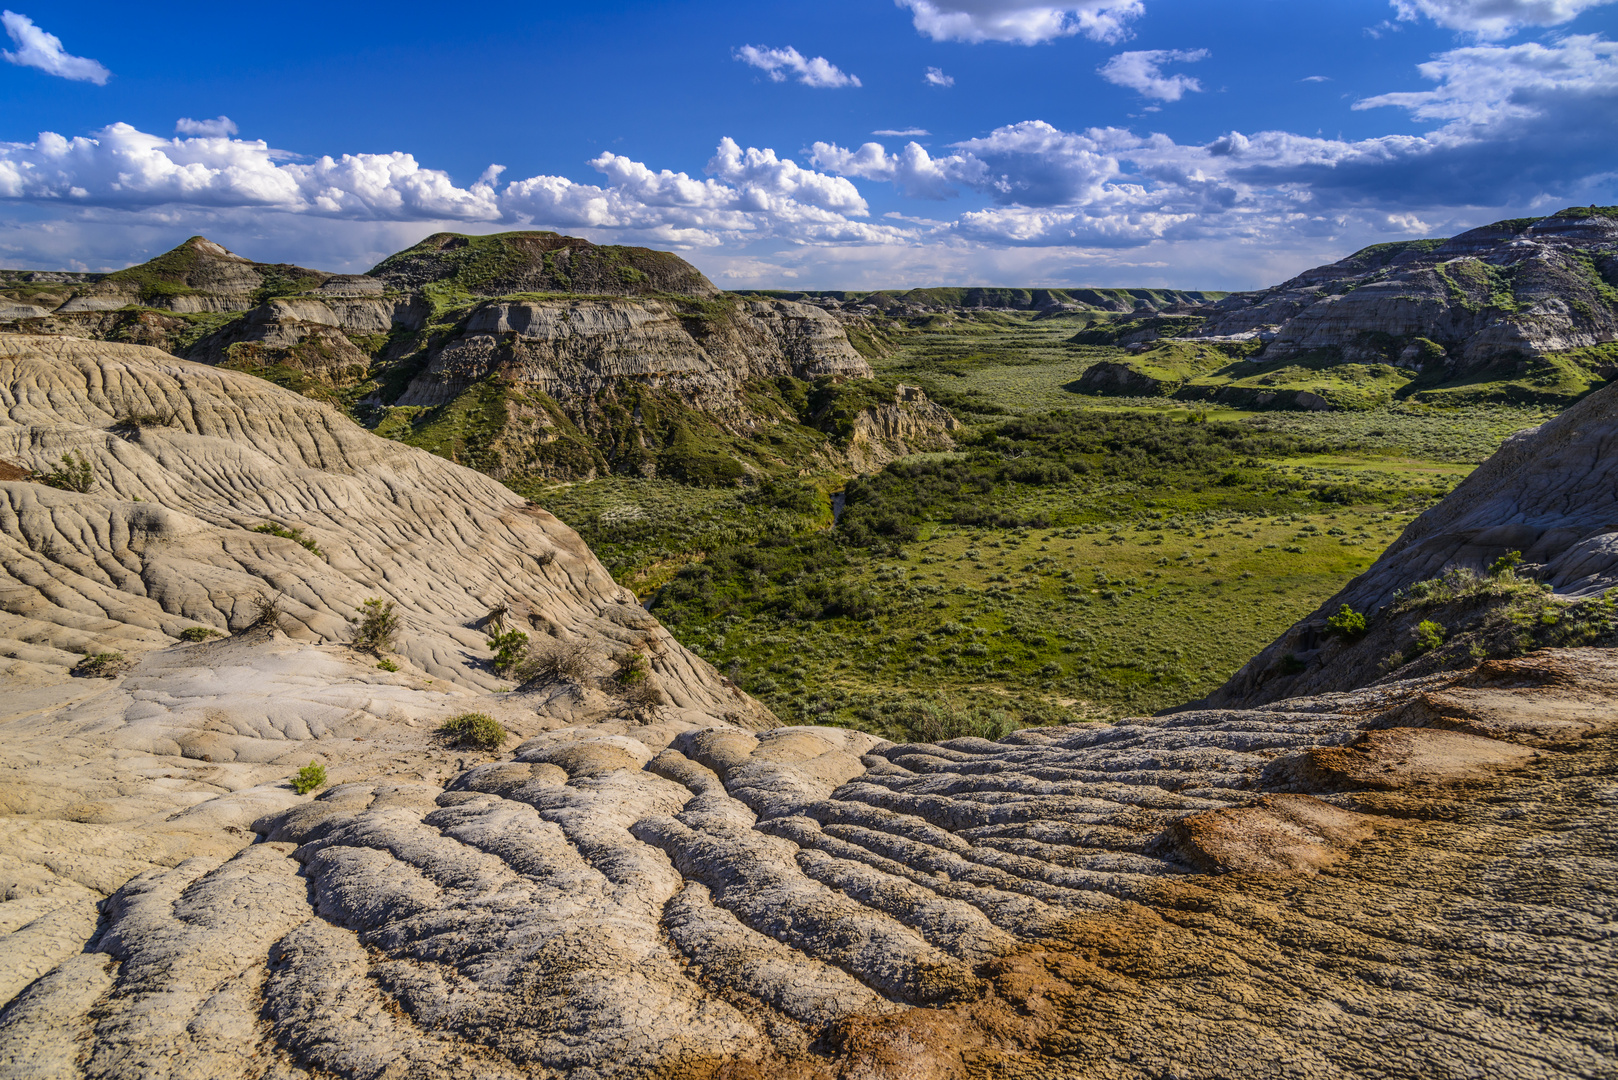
1408,881
1514,288
537,327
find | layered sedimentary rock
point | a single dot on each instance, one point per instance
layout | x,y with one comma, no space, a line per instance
547,324
571,349
1410,880
1513,289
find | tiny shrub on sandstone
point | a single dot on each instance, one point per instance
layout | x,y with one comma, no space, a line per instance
1429,635
266,610
555,661
198,633
475,730
1506,564
375,625
387,665
310,777
509,648
73,473
633,681
103,665
275,529
1347,623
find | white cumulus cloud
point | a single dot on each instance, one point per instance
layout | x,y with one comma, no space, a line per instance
902,133
748,193
781,64
218,127
936,77
38,49
1142,72
1489,84
1492,19
912,170
1023,22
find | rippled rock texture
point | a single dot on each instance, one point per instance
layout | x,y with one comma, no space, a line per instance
1329,887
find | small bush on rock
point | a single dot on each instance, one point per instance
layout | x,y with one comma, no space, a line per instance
198,633
1429,635
474,730
556,661
266,611
294,534
374,626
73,473
103,665
310,777
1506,564
509,648
633,680
1347,623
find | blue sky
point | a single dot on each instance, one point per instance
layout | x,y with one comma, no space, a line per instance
843,144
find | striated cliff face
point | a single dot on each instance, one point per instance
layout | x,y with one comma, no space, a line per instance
190,462
573,348
1316,888
1515,288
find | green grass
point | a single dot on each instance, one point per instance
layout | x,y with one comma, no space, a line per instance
1162,558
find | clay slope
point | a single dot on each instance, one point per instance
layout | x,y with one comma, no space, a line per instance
1515,289
1550,493
189,461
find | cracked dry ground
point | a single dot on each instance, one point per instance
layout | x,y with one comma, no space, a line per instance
1415,880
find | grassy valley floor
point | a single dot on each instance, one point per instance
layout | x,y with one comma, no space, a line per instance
1078,557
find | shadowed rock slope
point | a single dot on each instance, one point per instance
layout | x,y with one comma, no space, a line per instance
1407,881
1522,311
1550,493
1522,287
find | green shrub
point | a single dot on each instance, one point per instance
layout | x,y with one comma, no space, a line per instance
198,633
510,647
633,681
73,473
387,665
1429,635
310,777
1291,665
266,610
374,626
103,665
1506,564
294,534
1347,623
474,730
